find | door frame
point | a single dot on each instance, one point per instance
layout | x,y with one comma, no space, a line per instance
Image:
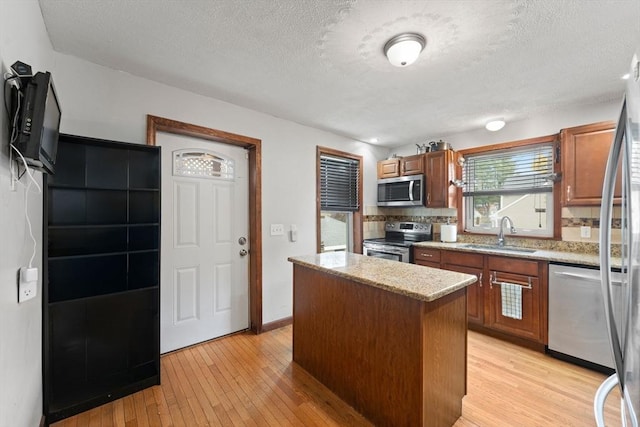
157,124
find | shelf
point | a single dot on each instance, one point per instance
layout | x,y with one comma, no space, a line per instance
70,241
101,274
99,297
100,254
82,187
82,226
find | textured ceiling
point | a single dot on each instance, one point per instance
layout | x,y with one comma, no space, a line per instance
320,62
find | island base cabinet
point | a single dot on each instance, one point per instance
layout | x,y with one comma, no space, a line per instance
395,359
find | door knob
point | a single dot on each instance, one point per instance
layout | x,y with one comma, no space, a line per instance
243,252
242,241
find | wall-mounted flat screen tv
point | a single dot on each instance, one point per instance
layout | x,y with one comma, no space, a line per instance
39,123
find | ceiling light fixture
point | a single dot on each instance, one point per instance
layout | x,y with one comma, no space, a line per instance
625,76
495,125
404,49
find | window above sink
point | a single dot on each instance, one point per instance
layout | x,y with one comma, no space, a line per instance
514,179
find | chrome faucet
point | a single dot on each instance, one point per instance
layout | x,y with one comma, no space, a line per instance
501,229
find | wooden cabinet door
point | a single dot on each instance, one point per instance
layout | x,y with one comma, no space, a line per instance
388,168
412,165
584,154
463,262
440,170
523,273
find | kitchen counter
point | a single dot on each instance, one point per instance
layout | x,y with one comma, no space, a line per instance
402,278
355,318
542,254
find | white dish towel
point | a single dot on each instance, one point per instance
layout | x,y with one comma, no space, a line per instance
511,300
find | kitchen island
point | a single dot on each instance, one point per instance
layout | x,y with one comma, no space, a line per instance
389,338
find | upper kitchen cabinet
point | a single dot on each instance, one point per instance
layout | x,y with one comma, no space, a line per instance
410,165
440,171
584,154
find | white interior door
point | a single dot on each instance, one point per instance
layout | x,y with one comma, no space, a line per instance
204,267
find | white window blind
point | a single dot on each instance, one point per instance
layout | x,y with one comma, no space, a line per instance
339,180
514,171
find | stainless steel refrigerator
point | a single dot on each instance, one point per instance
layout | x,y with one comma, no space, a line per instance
623,314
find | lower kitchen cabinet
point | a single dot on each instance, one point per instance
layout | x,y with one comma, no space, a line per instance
496,274
531,277
468,263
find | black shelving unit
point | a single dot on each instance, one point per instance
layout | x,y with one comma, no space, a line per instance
101,312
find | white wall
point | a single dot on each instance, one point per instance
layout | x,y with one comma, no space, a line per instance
547,123
104,103
22,37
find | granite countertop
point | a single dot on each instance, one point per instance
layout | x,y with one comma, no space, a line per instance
576,258
414,281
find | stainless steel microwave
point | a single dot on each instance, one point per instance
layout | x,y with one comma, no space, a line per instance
401,191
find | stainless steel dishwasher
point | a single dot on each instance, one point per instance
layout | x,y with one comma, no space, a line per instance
577,325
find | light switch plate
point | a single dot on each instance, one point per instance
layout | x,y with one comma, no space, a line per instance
277,230
585,232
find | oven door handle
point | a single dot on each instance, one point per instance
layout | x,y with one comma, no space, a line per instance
387,250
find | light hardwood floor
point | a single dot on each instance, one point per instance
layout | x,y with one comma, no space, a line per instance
246,379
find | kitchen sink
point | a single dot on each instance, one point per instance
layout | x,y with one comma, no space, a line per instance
499,248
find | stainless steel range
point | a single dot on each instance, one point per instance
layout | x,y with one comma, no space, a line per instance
397,241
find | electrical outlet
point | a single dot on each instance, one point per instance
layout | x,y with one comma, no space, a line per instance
277,230
27,284
585,232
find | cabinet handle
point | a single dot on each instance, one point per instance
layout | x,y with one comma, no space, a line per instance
428,198
528,285
480,280
427,255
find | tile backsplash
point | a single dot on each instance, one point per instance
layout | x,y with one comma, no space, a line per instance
573,219
375,217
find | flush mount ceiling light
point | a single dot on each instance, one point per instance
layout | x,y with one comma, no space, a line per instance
404,49
495,125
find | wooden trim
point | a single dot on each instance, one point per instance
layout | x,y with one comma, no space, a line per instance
254,146
277,324
592,127
357,216
557,191
557,188
43,421
510,144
